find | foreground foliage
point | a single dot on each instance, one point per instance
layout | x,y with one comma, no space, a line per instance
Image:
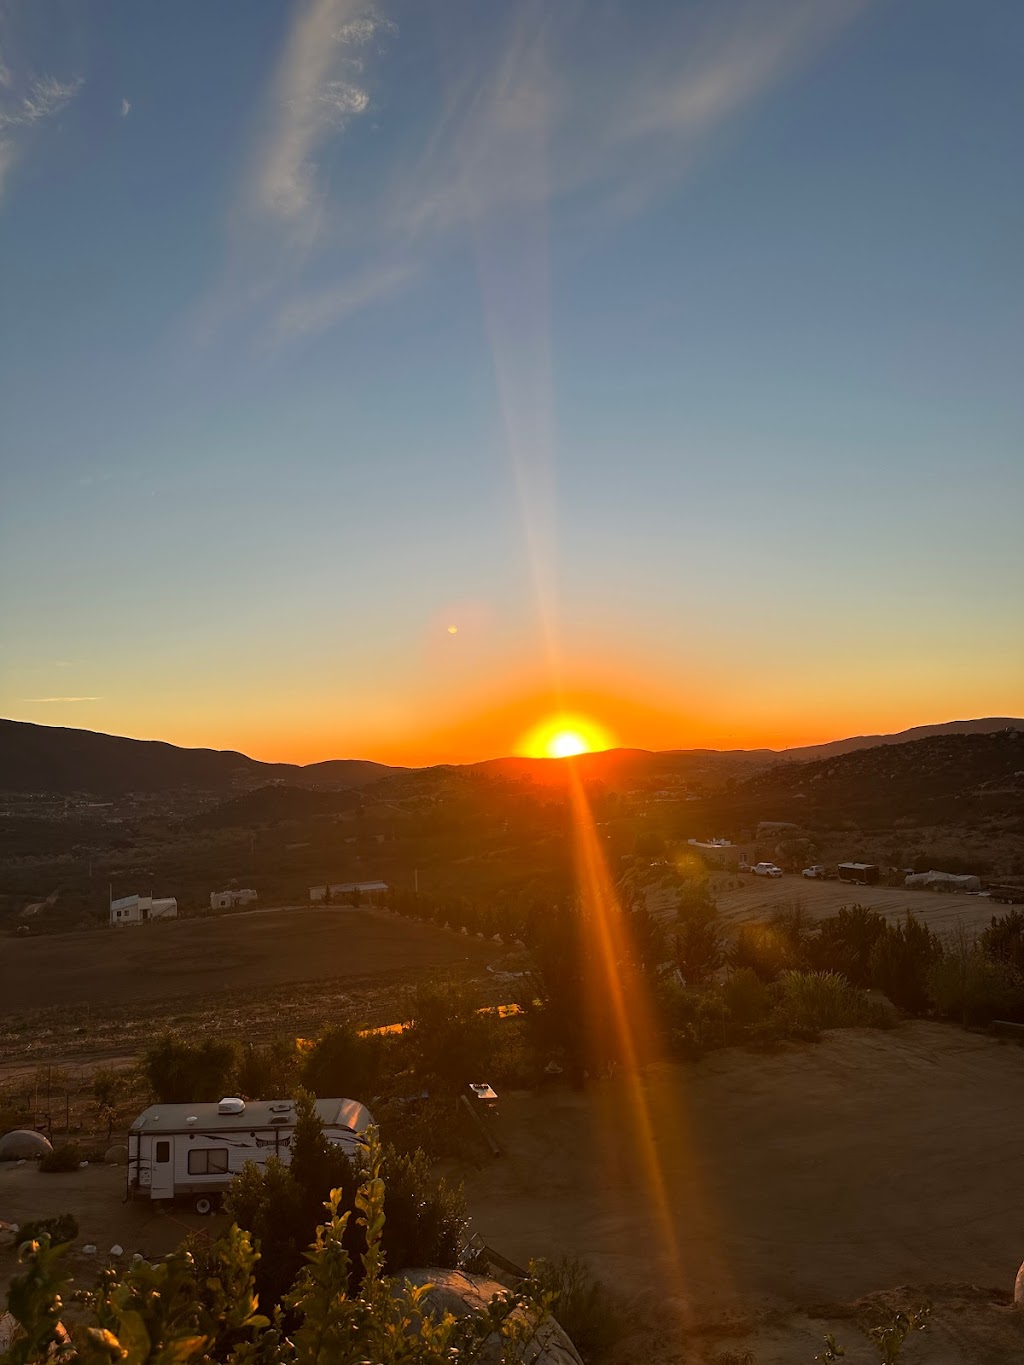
177,1313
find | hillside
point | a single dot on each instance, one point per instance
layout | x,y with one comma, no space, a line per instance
47,759
944,778
42,758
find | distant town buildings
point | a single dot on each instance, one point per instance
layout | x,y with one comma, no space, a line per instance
227,900
138,909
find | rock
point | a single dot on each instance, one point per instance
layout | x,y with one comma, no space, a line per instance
455,1292
23,1143
117,1250
82,1165
117,1155
89,1249
1018,1288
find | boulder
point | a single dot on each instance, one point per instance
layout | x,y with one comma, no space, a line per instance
455,1292
117,1155
1018,1288
23,1144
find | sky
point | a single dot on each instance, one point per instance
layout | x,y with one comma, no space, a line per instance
381,381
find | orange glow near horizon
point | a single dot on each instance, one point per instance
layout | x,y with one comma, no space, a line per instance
565,736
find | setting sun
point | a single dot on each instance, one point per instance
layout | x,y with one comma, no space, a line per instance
564,737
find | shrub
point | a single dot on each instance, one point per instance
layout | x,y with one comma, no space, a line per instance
449,1042
900,961
269,1071
1003,940
699,951
583,1307
281,1206
60,1229
179,1071
65,1157
193,1313
343,1063
845,942
765,949
809,1001
973,989
745,996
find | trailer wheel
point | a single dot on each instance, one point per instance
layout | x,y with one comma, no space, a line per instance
204,1205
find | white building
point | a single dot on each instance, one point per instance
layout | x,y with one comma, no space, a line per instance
347,891
137,909
226,900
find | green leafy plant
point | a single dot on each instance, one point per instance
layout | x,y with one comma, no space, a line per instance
66,1156
60,1229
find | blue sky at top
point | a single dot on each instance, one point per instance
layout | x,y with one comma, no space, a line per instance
674,347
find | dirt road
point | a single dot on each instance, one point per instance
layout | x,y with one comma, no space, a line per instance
759,896
809,1177
176,958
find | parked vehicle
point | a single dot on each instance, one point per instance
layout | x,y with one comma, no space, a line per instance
195,1150
861,874
767,870
818,870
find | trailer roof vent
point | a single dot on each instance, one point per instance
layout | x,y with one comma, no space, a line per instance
231,1106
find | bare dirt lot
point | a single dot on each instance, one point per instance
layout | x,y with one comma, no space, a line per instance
794,1185
759,896
187,957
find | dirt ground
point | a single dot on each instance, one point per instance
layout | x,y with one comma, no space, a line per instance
177,958
759,896
794,1185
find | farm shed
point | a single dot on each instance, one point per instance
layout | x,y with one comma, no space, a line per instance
195,1150
227,900
139,909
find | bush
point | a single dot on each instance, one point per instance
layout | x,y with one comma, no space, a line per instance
972,989
766,949
198,1311
900,961
583,1307
698,948
745,996
268,1071
282,1205
342,1063
179,1072
66,1157
1003,940
449,1042
809,1001
845,942
63,1228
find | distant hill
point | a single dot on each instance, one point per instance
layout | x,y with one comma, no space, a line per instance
948,776
43,758
273,805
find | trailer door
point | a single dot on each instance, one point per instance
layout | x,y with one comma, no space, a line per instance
162,1183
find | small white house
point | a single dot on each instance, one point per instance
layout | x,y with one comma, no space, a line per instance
227,900
347,891
138,909
195,1150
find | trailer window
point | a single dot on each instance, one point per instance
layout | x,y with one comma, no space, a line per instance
163,1151
208,1161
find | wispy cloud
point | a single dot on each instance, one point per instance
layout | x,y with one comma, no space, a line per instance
308,314
38,701
26,106
318,90
126,107
597,110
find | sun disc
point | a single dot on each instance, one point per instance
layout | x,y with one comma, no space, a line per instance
565,736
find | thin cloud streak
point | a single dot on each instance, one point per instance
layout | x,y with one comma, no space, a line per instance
39,701
308,315
126,107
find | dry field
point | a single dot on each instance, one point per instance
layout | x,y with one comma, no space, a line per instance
102,995
759,896
795,1184
195,956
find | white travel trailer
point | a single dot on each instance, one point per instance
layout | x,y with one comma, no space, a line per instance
194,1150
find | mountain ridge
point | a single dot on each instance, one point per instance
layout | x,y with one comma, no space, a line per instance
60,759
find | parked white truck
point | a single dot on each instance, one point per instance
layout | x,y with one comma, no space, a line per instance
194,1151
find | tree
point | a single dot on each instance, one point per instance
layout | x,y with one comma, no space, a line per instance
901,960
342,1063
845,942
450,1041
699,949
179,1072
